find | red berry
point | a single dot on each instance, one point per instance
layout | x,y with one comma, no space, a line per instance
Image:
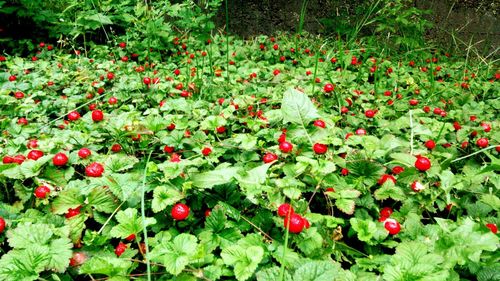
206,151
77,259
493,227
112,100
73,115
328,88
60,159
422,163
73,212
146,80
84,153
370,113
417,186
35,154
397,170
97,115
180,211
122,45
430,144
12,78
486,127
413,102
32,144
284,209
7,159
116,147
330,189
482,142
295,223
320,148
344,172
285,147
41,192
386,177
392,226
457,126
221,129
319,123
168,149
2,225
94,170
131,237
120,249
360,132
269,157
386,212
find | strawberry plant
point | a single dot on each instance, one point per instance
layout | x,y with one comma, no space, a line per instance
175,164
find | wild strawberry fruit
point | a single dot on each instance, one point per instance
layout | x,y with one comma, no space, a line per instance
97,115
221,129
269,157
392,226
457,126
84,153
422,163
319,123
344,172
386,177
397,170
72,212
386,212
120,249
41,192
180,211
328,88
482,142
122,45
285,147
320,148
486,127
206,151
94,170
60,159
175,158
430,144
360,132
35,154
294,223
32,144
417,186
2,225
12,78
74,115
112,100
77,259
131,237
370,113
7,159
146,80
285,209
493,227
413,102
330,189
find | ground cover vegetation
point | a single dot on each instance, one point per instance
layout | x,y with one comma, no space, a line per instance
174,151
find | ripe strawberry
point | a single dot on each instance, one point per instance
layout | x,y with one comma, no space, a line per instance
221,130
2,224
294,223
269,157
168,149
486,127
32,144
122,45
131,237
112,100
457,126
397,170
493,227
77,259
12,78
413,102
35,154
422,163
60,159
19,159
330,189
84,153
482,142
97,115
319,123
284,209
94,170
175,158
392,226
146,80
386,177
370,113
328,88
177,72
320,148
285,147
120,249
180,211
386,212
417,186
360,132
7,159
19,95
41,192
116,147
430,144
206,151
74,115
344,172
72,212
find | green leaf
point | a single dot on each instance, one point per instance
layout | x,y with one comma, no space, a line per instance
272,274
164,196
68,198
107,265
311,243
365,229
297,108
119,163
389,190
24,265
221,175
60,251
129,223
321,271
244,260
403,158
102,200
27,234
176,255
345,205
100,18
256,175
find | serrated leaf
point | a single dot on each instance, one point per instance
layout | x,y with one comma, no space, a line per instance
298,108
175,255
102,200
365,229
60,251
345,205
68,198
321,271
120,163
244,260
27,234
106,265
220,175
129,223
24,264
164,196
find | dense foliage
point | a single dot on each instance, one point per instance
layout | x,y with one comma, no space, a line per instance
193,157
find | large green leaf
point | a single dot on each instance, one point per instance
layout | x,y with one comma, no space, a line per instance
297,108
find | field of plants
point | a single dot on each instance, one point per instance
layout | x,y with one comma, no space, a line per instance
277,158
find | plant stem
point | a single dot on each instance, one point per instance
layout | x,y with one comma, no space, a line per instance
143,215
285,247
474,153
411,132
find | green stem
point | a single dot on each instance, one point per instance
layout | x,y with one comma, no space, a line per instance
474,153
285,247
143,215
227,42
